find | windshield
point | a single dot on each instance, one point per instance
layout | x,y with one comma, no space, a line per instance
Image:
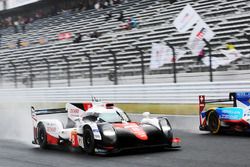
113,117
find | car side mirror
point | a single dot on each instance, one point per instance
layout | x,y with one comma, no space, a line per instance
146,114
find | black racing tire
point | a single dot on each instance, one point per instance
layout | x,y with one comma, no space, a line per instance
42,136
214,123
88,141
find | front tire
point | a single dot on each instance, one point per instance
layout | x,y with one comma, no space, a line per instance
214,123
89,141
42,136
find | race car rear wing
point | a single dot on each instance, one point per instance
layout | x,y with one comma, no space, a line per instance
203,101
235,97
47,111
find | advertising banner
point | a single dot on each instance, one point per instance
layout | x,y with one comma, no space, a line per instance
216,61
200,32
186,19
160,55
232,54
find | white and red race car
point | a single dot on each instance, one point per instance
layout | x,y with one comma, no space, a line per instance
98,127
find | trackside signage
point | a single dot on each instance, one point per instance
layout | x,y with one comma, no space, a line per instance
200,32
186,19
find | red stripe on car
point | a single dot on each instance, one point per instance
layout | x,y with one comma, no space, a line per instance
133,128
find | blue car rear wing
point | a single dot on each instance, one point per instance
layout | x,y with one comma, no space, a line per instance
238,98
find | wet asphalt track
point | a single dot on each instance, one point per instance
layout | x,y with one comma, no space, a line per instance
198,149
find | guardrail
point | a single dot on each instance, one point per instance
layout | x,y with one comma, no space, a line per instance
149,93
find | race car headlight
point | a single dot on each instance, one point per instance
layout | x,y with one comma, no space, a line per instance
164,125
108,131
109,134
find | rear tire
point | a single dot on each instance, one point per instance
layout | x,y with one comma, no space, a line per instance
42,136
89,141
214,123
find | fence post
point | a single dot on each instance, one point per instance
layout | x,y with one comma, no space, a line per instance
48,70
115,67
68,70
15,73
142,65
90,69
210,59
174,60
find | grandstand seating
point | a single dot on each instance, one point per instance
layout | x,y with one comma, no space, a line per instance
229,19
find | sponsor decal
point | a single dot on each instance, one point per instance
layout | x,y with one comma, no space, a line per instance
95,131
74,139
230,113
74,112
51,129
135,129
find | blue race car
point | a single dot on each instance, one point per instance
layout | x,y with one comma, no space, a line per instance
219,119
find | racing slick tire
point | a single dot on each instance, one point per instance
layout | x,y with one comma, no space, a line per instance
42,136
89,141
214,123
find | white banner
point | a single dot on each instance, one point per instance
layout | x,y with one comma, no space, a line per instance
160,55
201,31
216,61
186,19
17,3
232,54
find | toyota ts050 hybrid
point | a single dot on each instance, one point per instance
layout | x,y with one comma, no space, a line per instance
219,119
98,127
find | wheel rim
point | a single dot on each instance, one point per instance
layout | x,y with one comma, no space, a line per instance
88,140
214,123
42,136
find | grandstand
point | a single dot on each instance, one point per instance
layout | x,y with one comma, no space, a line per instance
229,19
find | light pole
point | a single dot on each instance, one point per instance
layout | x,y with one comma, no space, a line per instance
115,67
174,60
142,65
210,59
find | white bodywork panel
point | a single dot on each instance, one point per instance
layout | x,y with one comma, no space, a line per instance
152,121
53,127
73,111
